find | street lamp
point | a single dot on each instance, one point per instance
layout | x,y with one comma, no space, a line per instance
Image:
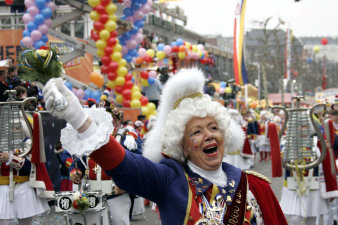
258,77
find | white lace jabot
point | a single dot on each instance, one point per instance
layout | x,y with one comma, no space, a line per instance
217,177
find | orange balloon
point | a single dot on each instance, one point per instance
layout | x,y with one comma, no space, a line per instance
139,60
97,78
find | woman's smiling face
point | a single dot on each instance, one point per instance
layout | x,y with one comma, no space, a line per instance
203,143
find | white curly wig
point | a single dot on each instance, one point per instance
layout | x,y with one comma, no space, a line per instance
178,105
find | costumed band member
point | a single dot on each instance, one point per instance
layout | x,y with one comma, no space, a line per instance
119,201
183,172
18,177
263,140
306,195
242,158
65,160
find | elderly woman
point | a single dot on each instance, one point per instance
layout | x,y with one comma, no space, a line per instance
185,176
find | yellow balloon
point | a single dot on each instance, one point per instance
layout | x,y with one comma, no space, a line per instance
151,106
135,88
120,81
116,56
316,49
122,71
194,48
135,103
144,82
119,98
228,90
100,53
160,55
103,97
94,15
93,3
110,26
144,110
104,34
181,55
111,9
111,84
187,45
113,17
150,52
200,54
100,44
122,62
118,48
135,95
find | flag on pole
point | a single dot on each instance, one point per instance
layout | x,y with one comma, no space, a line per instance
288,55
238,57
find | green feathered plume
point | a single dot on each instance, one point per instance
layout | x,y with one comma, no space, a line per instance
39,65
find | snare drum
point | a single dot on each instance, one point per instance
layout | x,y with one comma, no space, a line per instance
64,201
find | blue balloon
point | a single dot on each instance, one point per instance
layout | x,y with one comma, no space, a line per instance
133,52
151,80
126,36
128,12
128,58
223,84
39,19
123,17
179,42
26,33
309,60
133,31
165,61
173,44
47,13
38,44
143,1
31,26
133,80
69,85
160,46
41,4
135,6
44,38
96,95
88,94
139,24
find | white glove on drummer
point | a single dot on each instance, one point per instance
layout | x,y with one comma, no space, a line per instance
130,140
73,113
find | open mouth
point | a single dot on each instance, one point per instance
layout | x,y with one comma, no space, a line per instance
210,149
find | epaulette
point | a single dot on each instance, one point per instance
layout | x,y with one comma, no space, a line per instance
259,175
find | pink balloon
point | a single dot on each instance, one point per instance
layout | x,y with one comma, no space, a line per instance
138,15
138,38
43,28
124,50
27,18
127,3
152,74
29,3
142,52
149,3
200,47
167,49
51,5
36,35
131,44
27,42
33,10
145,9
221,90
130,19
80,93
48,22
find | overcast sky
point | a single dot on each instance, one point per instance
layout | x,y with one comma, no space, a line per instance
305,18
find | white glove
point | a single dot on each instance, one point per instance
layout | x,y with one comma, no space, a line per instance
73,113
130,142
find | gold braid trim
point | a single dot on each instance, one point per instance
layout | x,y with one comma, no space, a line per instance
259,175
178,101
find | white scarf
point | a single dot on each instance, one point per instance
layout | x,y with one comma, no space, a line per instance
217,176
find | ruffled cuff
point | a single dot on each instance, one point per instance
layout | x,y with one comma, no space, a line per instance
93,138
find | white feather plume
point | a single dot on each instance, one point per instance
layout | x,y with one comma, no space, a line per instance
184,83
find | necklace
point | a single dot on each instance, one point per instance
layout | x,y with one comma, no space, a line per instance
214,212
